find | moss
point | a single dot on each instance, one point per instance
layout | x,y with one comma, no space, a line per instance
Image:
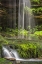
4,61
3,40
36,1
29,50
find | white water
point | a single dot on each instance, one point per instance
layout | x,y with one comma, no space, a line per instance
6,53
9,53
13,54
25,19
21,17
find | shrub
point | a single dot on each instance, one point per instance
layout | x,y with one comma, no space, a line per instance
38,33
35,1
28,10
4,61
23,32
39,10
12,32
29,50
3,40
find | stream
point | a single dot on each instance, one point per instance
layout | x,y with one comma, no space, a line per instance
18,60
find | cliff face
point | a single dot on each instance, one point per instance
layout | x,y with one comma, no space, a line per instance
10,8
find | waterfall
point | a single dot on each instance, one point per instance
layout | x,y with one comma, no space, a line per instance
6,53
25,19
21,16
12,54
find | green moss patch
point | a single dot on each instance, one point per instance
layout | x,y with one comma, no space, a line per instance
29,50
4,61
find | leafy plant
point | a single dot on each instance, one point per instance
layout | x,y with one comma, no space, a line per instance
36,28
39,10
4,61
23,32
29,50
10,32
3,40
28,10
35,1
34,10
38,33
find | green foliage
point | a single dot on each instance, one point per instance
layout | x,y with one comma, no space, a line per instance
37,10
25,48
16,31
3,40
4,61
9,32
35,1
36,28
28,10
33,10
29,50
38,33
23,32
34,37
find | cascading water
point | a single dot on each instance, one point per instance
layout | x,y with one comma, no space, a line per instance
25,19
21,17
15,54
12,54
6,53
25,22
9,53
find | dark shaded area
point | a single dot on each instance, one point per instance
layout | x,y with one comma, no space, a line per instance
8,17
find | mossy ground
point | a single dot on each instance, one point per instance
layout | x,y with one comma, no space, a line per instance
4,61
